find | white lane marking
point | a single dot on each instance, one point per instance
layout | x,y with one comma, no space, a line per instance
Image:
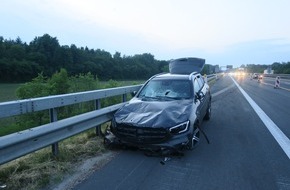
279,136
222,91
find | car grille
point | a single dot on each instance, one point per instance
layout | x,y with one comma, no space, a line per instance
144,135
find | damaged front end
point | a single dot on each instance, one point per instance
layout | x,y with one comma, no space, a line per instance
155,140
147,140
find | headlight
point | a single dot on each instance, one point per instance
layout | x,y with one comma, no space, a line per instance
179,128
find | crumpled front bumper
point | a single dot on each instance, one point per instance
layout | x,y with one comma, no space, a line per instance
175,143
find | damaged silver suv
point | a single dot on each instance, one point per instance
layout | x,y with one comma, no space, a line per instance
167,112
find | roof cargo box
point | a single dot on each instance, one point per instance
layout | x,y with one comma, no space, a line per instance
186,65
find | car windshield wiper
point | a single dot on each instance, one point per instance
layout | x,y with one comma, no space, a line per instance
148,97
168,98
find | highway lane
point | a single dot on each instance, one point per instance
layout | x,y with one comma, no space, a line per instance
274,102
242,154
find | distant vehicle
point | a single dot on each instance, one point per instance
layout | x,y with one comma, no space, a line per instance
167,112
257,76
268,71
240,73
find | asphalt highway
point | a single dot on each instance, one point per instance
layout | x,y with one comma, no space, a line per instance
242,153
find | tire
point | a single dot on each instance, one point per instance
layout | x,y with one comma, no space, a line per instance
208,112
194,138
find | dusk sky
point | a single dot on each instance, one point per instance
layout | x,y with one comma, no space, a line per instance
224,32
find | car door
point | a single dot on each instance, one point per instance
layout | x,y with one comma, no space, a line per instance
199,97
204,94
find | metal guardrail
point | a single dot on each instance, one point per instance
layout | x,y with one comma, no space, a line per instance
24,142
18,144
282,76
21,143
19,107
212,77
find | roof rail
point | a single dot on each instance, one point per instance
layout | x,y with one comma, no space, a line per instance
156,75
190,75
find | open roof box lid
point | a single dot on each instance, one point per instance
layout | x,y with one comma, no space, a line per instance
186,65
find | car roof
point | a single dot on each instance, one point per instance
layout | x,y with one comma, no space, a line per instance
173,76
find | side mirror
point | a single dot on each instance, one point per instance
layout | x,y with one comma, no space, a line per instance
199,95
133,93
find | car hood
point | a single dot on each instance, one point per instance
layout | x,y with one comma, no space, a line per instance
154,114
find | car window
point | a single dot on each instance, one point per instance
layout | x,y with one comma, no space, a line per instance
200,81
196,86
177,89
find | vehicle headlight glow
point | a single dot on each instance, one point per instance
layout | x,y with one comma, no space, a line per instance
180,128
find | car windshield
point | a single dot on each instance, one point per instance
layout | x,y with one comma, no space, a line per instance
166,89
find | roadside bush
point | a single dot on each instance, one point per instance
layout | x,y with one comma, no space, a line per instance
59,83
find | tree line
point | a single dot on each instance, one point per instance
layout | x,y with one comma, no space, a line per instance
279,68
21,62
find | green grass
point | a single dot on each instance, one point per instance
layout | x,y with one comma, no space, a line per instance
8,91
41,169
7,126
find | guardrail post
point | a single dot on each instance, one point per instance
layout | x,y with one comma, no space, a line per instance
98,128
124,99
53,118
